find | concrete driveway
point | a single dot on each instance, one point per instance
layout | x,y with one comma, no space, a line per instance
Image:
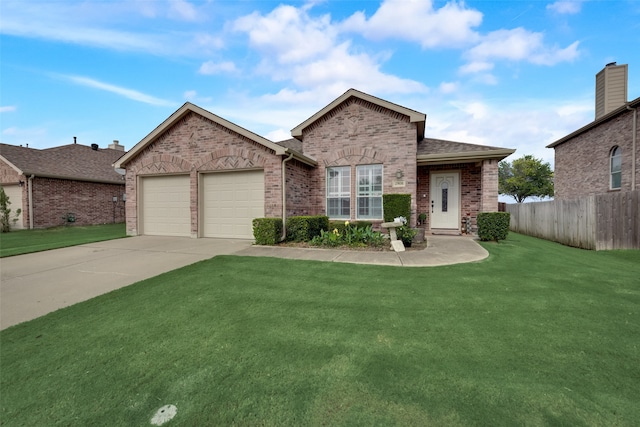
35,284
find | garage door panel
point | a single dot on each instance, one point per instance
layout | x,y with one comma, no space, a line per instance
231,200
14,192
165,205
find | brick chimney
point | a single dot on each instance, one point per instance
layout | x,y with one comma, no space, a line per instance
611,88
116,145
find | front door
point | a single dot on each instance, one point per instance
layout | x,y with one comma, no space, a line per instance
445,200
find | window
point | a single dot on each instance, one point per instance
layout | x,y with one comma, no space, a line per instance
616,167
339,192
369,191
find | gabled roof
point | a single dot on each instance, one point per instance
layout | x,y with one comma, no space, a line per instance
191,108
632,104
440,151
74,161
414,116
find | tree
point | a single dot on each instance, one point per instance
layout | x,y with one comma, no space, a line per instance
525,177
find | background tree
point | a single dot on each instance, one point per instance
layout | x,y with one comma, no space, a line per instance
525,177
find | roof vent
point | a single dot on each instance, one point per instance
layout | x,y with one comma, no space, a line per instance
94,147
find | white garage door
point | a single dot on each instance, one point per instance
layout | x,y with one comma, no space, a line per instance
165,206
14,192
231,200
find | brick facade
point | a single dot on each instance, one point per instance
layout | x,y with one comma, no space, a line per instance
357,132
194,145
90,202
582,163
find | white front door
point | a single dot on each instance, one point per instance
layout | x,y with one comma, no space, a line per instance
445,200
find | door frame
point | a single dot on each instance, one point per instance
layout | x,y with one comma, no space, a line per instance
457,214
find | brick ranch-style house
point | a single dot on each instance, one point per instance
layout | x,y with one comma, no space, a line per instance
200,175
62,185
604,155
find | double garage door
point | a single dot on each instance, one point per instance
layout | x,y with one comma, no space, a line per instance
228,202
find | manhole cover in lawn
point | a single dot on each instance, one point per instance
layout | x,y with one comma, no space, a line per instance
164,414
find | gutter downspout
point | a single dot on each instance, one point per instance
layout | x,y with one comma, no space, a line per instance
284,197
31,202
633,147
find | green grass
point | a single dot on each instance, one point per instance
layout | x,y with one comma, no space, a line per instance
21,242
537,334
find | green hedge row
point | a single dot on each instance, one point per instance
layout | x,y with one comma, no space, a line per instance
395,205
305,228
267,231
493,225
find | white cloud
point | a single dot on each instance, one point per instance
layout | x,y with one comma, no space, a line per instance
417,20
517,44
288,33
118,90
448,87
8,109
566,7
183,9
210,67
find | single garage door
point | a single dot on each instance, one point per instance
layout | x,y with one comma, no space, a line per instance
165,206
230,202
14,192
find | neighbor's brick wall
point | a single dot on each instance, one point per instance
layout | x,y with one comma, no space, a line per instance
357,132
582,163
470,186
196,145
90,202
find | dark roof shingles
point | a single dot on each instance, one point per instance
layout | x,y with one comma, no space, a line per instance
74,161
440,146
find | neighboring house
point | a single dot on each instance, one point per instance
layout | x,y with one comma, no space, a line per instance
72,183
604,155
200,175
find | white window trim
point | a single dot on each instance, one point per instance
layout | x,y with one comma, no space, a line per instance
374,195
612,156
340,194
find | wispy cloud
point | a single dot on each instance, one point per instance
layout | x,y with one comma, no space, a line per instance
211,67
566,7
118,90
8,109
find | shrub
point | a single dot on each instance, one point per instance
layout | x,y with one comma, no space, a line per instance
342,225
493,225
267,231
349,235
305,228
395,205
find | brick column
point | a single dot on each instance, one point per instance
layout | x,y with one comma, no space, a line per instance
489,186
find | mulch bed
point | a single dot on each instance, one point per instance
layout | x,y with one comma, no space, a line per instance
415,246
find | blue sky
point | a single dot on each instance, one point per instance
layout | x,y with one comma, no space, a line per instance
517,74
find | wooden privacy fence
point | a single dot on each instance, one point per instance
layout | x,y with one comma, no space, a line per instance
602,221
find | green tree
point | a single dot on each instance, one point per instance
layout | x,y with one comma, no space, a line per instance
525,177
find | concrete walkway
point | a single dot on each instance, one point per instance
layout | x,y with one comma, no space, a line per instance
35,284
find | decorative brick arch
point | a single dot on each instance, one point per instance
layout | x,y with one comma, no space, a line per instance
354,156
231,158
162,164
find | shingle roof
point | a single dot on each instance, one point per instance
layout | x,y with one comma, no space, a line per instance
74,161
431,150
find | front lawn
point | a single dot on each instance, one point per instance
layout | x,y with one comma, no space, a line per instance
537,334
19,242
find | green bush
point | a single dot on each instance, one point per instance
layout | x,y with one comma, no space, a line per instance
305,228
349,235
493,225
395,205
341,226
267,231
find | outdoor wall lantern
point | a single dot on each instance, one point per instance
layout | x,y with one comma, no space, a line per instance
399,174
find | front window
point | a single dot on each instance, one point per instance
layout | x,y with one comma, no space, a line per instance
339,192
616,167
369,191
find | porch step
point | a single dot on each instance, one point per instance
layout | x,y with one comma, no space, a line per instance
445,232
